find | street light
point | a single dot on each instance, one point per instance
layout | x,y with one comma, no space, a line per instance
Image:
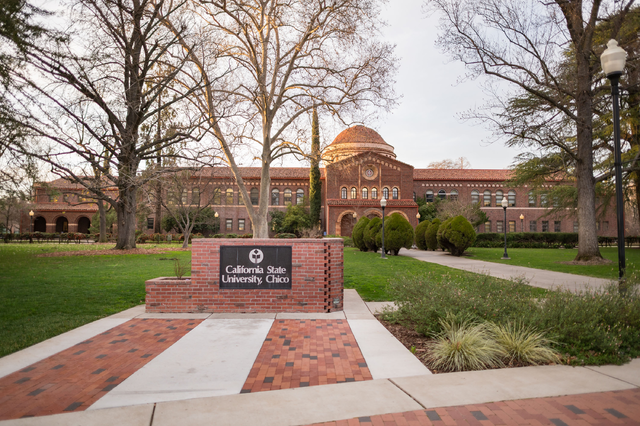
383,204
505,203
31,226
613,60
521,223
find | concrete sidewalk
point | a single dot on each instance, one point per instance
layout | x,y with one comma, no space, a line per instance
197,380
535,277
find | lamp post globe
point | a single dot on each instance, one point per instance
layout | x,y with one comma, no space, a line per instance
613,61
521,223
31,225
505,204
383,204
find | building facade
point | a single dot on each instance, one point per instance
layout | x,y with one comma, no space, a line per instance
360,169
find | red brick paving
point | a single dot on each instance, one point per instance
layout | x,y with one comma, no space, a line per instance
75,378
298,353
603,408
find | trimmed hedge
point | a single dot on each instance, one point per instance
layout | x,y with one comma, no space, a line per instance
527,239
358,233
398,233
421,230
370,233
456,235
431,236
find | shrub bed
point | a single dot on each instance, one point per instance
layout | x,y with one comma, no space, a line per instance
527,239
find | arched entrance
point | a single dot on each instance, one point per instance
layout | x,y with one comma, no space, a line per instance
83,225
40,224
62,224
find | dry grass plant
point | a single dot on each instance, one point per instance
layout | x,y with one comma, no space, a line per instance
523,345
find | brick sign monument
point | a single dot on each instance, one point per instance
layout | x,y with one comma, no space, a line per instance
255,275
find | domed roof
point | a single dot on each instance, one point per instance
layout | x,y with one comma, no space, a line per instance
355,140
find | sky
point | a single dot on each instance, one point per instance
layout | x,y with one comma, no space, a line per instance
426,127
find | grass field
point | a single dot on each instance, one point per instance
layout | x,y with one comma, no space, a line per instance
41,297
369,274
550,259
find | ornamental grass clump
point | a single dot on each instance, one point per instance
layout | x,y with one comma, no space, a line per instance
464,345
523,345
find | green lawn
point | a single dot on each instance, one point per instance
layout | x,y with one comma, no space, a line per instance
550,259
369,274
41,297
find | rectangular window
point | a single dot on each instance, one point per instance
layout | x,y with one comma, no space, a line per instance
149,223
499,226
556,226
229,223
240,224
533,226
605,225
512,226
575,226
487,226
545,226
195,196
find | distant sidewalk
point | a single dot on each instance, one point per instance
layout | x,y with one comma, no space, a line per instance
535,277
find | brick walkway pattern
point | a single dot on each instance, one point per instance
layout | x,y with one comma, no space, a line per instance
604,408
75,378
298,353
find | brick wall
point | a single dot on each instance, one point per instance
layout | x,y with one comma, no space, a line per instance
317,281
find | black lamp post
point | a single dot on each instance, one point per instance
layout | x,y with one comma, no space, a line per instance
613,60
383,204
521,223
505,203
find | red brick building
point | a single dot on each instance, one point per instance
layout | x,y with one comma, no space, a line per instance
360,169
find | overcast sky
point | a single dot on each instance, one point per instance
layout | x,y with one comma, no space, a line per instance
426,127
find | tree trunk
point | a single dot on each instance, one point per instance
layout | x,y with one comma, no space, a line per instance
126,210
157,224
103,222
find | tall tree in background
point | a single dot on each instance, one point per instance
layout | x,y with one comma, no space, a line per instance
85,103
315,186
458,163
523,44
268,64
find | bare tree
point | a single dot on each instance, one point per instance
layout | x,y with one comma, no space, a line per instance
458,163
268,64
523,44
88,100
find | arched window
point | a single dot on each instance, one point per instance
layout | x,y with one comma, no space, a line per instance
486,198
453,195
374,193
287,196
183,196
343,193
442,194
512,198
385,193
543,200
255,196
394,193
354,193
429,196
475,197
532,199
275,197
365,193
229,197
216,195
499,196
195,196
299,196
240,199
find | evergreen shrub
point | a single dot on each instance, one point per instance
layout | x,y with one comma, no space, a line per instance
431,235
421,230
527,239
358,233
370,233
398,233
456,235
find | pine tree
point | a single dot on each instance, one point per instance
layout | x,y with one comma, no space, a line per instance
314,174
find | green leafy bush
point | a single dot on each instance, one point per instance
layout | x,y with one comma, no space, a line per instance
286,235
456,235
398,233
431,236
358,233
527,239
421,230
371,232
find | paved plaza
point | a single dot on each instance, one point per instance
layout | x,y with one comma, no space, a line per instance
341,368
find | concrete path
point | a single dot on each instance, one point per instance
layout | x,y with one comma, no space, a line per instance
535,277
197,381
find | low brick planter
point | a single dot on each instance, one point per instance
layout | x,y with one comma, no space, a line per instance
316,283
